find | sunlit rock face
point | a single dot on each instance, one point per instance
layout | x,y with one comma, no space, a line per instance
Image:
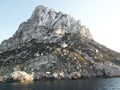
21,76
53,45
45,25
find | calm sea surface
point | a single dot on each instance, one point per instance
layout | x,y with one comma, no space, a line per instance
91,84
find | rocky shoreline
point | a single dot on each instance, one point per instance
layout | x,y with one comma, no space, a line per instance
106,70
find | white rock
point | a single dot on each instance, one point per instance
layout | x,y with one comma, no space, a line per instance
64,45
48,72
59,31
61,74
96,51
21,76
55,75
37,54
41,54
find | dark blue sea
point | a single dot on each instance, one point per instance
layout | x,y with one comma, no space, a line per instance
91,84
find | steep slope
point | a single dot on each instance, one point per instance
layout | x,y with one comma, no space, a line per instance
53,45
45,25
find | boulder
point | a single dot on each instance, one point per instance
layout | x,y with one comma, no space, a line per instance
21,76
1,79
64,45
111,70
75,75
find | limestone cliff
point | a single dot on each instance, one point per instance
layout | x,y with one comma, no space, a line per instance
45,25
53,45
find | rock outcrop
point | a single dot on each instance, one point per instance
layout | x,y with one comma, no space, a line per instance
21,76
53,45
45,25
1,79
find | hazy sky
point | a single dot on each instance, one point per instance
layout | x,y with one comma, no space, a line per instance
101,16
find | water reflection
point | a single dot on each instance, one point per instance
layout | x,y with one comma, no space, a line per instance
91,84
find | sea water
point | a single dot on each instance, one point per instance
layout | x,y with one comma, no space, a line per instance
88,84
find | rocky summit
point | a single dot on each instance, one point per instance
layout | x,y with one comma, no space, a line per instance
53,45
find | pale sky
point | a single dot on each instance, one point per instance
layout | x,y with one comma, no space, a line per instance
102,17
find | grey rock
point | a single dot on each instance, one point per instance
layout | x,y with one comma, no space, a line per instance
111,69
53,45
44,22
75,75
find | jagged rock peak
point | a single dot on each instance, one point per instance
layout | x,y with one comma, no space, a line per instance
45,25
53,45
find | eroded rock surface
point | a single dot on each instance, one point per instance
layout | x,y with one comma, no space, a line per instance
45,25
21,76
53,45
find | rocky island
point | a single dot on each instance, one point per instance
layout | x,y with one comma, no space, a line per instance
52,45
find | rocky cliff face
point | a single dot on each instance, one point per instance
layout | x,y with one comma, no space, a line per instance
45,25
54,45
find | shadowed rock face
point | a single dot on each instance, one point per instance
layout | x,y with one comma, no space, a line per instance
53,45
